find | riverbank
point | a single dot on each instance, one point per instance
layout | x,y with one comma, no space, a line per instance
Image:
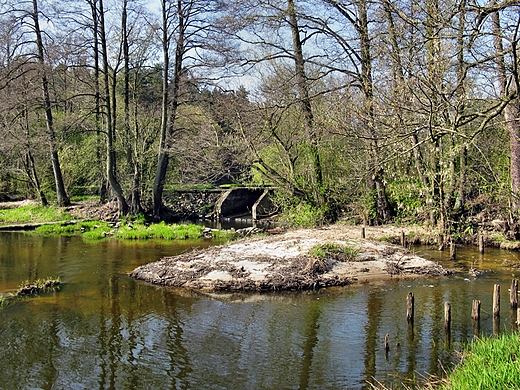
300,259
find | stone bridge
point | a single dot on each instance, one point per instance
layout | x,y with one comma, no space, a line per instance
237,202
240,201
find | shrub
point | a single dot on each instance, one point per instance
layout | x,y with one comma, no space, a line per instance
303,215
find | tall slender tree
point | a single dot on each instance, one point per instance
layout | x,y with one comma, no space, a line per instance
109,114
61,193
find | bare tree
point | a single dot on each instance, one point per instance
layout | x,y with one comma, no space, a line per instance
61,193
110,115
185,31
509,85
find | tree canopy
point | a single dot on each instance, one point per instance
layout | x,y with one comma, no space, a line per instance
383,110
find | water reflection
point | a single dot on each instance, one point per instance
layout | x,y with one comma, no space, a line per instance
106,331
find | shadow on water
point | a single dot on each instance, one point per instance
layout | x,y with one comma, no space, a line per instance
104,330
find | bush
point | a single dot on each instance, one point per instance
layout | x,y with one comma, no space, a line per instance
303,215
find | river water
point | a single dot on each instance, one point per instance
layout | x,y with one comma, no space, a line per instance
104,330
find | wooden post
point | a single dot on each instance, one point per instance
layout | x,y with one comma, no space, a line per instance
453,251
496,301
475,310
513,295
481,243
387,344
403,239
363,232
410,300
447,315
440,240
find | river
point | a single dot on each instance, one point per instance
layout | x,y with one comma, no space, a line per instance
104,330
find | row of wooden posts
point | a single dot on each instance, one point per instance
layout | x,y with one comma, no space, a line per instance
453,246
475,308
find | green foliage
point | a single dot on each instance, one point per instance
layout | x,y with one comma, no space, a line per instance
491,363
81,198
303,215
27,214
408,200
369,205
333,250
3,302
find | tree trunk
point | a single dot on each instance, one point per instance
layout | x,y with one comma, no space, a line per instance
305,104
61,193
135,204
111,155
168,118
102,182
511,113
383,209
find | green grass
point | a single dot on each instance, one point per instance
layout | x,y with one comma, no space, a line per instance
223,235
96,230
490,363
34,214
334,250
88,229
160,231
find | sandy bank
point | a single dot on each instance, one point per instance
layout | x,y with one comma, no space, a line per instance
283,262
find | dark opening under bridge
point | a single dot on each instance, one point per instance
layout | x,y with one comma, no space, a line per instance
239,201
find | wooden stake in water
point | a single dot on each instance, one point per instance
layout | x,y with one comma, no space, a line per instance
475,310
513,295
410,300
447,316
387,343
496,301
440,240
403,239
481,243
453,251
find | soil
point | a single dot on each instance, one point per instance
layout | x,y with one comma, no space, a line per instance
283,262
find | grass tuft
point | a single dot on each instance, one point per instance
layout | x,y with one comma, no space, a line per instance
336,251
